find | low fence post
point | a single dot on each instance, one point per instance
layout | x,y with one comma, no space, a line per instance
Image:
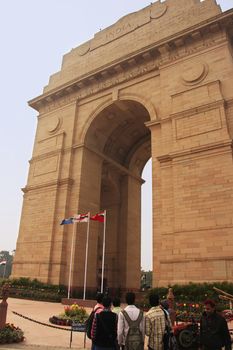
4,305
171,302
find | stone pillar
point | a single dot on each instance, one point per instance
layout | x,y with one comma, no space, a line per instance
4,305
87,188
110,200
130,233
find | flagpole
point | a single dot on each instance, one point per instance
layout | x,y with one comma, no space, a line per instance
71,259
85,272
4,271
103,254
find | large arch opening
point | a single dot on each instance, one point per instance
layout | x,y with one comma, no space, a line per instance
119,134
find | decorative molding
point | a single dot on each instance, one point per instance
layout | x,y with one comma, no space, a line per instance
48,154
194,72
154,57
201,229
189,112
190,260
115,94
215,146
46,166
47,143
62,182
154,123
158,11
83,49
198,109
51,137
229,102
206,95
54,124
198,123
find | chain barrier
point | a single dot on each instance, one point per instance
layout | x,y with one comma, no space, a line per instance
41,323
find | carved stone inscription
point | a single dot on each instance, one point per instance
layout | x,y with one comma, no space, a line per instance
124,26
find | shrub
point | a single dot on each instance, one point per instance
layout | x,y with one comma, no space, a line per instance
11,334
193,292
26,288
75,313
189,298
72,313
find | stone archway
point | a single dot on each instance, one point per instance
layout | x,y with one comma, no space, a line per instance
118,134
170,65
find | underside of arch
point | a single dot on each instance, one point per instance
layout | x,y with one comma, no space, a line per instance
120,135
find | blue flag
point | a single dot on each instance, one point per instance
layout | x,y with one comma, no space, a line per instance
67,221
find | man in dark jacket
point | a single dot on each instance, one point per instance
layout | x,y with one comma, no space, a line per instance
105,327
213,329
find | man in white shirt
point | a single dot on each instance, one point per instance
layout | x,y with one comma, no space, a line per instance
133,313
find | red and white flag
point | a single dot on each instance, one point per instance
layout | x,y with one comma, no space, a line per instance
81,218
3,262
99,217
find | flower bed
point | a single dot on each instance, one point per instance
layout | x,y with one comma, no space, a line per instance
192,312
188,312
72,313
60,321
11,334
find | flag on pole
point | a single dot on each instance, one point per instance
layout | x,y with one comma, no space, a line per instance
67,221
75,218
81,218
3,262
99,217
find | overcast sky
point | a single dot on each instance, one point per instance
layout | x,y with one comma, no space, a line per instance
35,34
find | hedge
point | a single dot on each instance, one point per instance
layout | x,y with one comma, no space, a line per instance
25,288
194,292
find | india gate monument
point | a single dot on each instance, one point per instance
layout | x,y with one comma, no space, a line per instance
156,84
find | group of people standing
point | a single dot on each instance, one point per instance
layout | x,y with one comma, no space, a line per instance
114,328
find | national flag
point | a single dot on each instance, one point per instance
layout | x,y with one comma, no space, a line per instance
3,262
98,217
81,218
67,221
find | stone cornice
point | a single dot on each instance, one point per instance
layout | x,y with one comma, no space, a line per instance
188,112
67,181
136,64
198,109
229,102
189,259
46,155
195,150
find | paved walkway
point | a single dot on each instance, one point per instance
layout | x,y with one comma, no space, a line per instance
38,337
